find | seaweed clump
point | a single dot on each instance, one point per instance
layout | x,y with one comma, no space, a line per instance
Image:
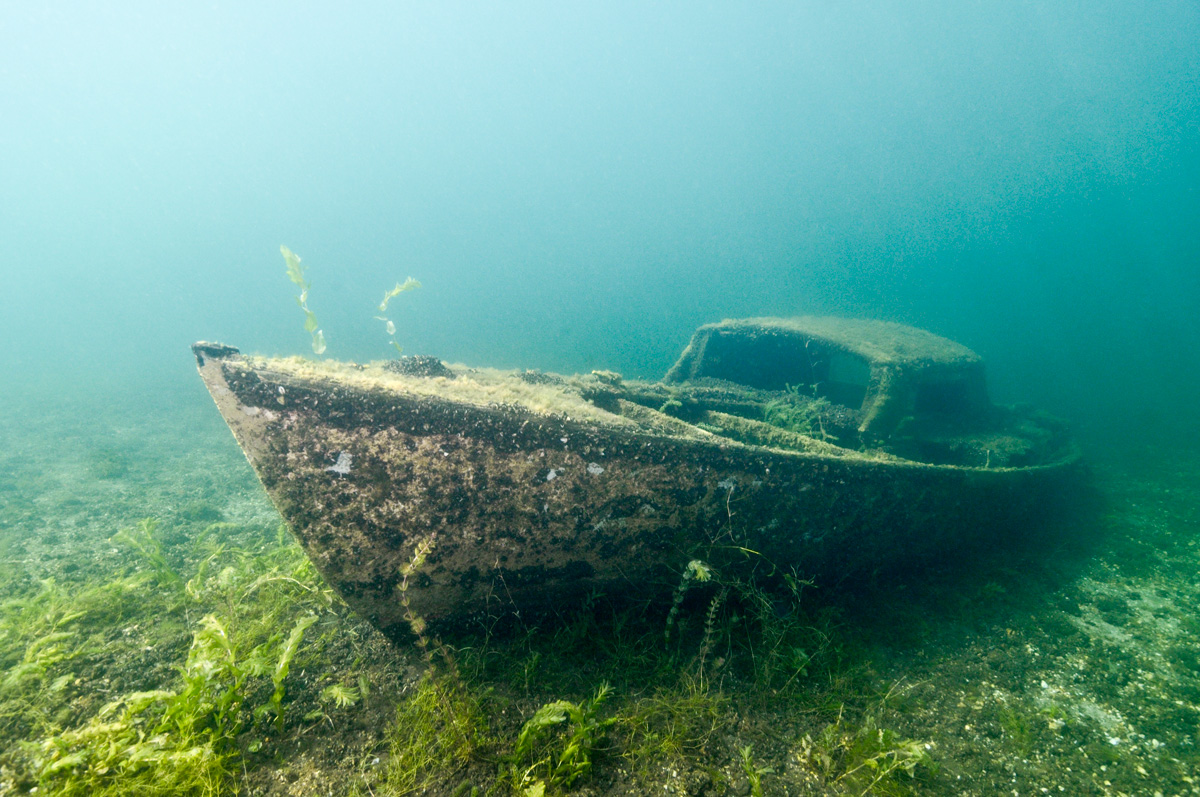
168,735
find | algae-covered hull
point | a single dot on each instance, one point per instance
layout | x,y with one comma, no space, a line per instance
519,492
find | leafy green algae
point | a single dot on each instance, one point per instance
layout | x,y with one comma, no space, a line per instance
183,738
295,273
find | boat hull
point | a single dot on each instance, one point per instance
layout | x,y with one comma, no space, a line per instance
507,511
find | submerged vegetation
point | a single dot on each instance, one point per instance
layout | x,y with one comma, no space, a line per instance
798,412
389,325
295,273
197,651
180,736
601,698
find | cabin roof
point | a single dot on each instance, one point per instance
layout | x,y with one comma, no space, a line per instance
878,342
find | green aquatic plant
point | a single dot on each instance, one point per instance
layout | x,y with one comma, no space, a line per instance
681,719
438,729
263,586
667,706
865,759
139,743
49,636
172,741
340,695
416,623
35,632
710,628
142,538
752,771
1017,729
799,412
408,285
158,741
782,644
560,764
41,654
696,572
283,665
295,273
214,678
185,736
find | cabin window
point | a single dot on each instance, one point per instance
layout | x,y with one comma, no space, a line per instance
948,397
767,362
771,361
846,380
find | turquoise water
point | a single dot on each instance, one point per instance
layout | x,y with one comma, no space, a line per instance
579,187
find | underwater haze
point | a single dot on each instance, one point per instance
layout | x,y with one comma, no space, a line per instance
579,186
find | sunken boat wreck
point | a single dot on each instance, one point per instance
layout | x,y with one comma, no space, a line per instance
821,447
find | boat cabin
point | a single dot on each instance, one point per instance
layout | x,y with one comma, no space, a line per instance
884,371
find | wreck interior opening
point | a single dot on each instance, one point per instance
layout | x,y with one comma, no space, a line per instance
846,380
949,397
789,362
